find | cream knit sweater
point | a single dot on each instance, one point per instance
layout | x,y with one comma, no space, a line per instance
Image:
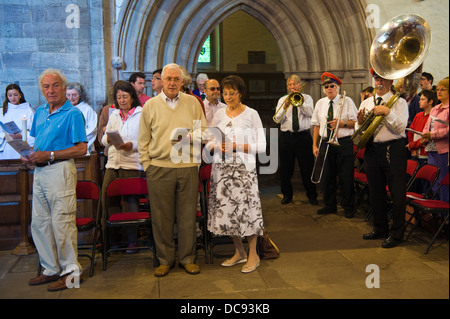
157,125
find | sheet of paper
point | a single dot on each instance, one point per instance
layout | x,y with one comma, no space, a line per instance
19,146
415,132
10,128
115,138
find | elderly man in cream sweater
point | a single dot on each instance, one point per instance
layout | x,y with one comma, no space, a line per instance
172,177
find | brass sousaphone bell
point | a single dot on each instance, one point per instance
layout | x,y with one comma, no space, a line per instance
398,51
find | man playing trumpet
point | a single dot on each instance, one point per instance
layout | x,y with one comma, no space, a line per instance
385,161
295,141
339,159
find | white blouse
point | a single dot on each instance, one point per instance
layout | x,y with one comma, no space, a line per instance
15,113
246,128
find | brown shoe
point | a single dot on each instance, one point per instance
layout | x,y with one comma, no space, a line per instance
42,279
192,269
60,284
162,270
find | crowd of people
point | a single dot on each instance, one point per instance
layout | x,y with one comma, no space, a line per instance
66,127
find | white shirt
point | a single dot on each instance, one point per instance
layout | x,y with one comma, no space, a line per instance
393,126
304,114
15,114
91,124
320,115
171,102
211,109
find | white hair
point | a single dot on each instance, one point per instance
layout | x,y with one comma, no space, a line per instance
171,66
57,72
202,77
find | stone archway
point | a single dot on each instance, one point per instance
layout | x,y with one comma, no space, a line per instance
313,35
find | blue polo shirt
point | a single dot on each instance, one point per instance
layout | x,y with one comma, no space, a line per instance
60,130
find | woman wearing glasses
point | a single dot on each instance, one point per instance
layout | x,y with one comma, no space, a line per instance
339,160
435,135
234,203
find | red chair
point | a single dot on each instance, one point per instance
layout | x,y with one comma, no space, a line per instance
127,187
90,191
433,207
202,215
360,180
428,173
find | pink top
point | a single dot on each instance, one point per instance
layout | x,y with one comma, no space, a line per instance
440,131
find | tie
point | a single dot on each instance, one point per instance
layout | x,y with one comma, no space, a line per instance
379,99
330,118
295,126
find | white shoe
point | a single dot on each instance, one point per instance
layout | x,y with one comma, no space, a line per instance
247,269
229,262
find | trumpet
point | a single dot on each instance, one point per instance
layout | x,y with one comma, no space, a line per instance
295,99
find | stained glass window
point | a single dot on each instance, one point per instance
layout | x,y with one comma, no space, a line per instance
205,53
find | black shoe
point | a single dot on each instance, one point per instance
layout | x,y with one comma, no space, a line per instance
325,211
286,200
313,201
348,213
375,235
390,242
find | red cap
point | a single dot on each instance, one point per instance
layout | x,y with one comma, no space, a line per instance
374,74
328,77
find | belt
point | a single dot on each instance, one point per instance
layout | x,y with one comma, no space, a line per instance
48,163
387,142
295,133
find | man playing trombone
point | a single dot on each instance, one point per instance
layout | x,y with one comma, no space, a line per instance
337,157
295,140
385,161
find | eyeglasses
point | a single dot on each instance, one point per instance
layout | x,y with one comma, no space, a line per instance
230,94
329,86
441,90
172,79
214,89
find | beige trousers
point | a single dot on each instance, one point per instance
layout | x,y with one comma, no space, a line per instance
173,199
53,219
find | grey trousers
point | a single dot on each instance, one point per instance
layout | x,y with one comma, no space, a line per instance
173,199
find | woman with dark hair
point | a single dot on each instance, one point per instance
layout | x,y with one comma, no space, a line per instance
123,158
234,203
14,109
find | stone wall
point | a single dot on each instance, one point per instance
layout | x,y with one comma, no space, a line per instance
67,35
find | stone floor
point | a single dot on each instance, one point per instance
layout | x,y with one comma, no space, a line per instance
322,257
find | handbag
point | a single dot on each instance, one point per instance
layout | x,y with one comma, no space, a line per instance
267,248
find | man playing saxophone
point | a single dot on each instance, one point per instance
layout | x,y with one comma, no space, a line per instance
385,161
338,161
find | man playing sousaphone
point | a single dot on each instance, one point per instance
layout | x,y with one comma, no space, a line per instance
385,161
338,161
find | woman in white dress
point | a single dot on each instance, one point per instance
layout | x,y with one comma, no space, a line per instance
14,109
76,94
234,204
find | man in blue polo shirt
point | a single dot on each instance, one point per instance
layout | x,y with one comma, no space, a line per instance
58,127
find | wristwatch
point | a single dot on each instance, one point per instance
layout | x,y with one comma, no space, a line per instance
52,156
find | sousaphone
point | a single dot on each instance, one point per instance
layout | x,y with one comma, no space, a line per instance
398,51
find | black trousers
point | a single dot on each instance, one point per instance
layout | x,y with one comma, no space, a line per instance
385,164
298,146
338,172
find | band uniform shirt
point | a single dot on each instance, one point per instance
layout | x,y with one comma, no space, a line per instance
59,130
304,114
320,115
393,126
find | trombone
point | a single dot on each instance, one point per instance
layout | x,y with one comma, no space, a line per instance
319,162
295,99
